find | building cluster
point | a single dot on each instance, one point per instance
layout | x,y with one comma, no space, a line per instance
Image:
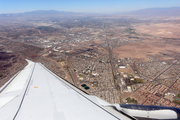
168,103
82,64
116,42
150,98
152,69
122,63
97,73
151,93
174,71
167,81
176,86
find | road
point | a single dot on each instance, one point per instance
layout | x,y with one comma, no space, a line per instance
114,72
165,70
71,72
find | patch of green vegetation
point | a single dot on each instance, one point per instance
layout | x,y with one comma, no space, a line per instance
80,75
130,75
138,80
62,61
176,101
178,95
134,88
129,100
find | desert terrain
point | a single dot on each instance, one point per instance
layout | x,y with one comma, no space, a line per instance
164,30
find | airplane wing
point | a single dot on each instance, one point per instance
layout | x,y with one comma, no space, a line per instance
35,93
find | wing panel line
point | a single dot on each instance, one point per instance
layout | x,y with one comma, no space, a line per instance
24,93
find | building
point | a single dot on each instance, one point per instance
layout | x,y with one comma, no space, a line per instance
94,73
129,88
122,66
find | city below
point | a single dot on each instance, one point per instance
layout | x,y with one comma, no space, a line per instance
123,59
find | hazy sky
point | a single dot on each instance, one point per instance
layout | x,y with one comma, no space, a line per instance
93,6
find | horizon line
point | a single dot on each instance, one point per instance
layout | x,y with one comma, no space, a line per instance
87,12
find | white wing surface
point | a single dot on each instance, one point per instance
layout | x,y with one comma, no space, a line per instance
38,94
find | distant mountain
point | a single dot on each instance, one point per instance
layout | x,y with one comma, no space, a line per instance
47,12
40,13
173,11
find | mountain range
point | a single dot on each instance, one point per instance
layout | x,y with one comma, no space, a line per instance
173,11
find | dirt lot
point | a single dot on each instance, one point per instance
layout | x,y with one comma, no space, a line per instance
126,70
98,41
168,30
145,48
125,95
139,98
